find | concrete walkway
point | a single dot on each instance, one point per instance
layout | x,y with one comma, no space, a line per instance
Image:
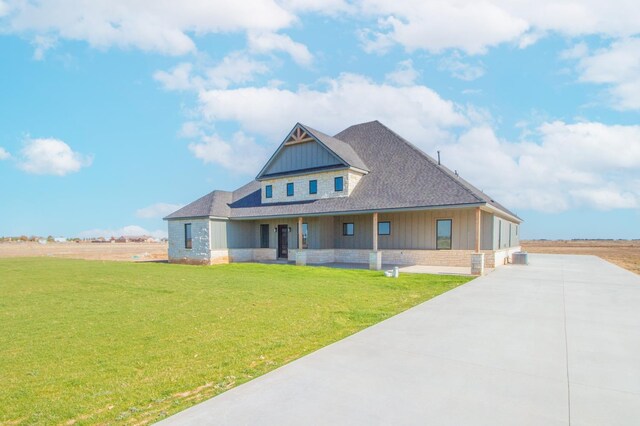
553,343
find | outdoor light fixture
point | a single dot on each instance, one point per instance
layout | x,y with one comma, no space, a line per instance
289,229
275,229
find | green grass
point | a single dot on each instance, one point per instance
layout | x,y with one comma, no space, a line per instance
107,342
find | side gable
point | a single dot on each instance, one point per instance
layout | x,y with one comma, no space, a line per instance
306,150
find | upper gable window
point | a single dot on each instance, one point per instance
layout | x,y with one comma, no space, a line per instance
268,191
313,186
338,184
290,189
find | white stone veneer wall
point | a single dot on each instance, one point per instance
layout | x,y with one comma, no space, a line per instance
301,186
200,252
460,258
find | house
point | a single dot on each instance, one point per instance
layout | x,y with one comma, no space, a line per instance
365,195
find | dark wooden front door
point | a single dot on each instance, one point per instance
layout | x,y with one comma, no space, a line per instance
283,241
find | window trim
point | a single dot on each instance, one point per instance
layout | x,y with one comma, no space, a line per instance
268,191
315,181
344,229
384,221
188,242
450,220
335,183
293,189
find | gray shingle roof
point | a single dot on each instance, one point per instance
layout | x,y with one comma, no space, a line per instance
400,176
340,148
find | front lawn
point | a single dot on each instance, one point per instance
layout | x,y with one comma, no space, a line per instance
107,342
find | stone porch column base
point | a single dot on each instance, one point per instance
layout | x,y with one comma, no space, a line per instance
301,258
477,264
375,260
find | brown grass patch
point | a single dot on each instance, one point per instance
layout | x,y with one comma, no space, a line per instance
624,253
136,252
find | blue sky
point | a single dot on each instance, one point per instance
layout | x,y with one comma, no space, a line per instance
115,113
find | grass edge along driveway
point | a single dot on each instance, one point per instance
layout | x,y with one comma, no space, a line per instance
86,342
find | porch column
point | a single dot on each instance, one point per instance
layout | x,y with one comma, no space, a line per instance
375,257
301,255
477,258
375,232
478,224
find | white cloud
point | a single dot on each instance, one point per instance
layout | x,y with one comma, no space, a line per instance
4,154
329,7
474,26
242,154
153,25
438,25
50,156
4,8
157,210
404,75
178,78
416,111
42,43
267,42
577,51
582,164
618,67
235,68
460,69
126,231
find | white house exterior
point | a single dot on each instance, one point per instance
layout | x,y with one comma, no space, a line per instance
365,195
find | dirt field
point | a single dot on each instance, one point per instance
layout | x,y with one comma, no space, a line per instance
625,253
91,251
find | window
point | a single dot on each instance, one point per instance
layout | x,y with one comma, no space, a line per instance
443,234
509,234
338,183
290,189
384,228
264,235
313,186
188,241
305,236
268,191
499,234
347,229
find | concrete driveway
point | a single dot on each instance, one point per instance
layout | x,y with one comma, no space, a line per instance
555,342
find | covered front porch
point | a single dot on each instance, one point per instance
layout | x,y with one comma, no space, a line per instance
436,237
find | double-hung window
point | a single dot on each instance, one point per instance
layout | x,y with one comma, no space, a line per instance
338,183
268,191
290,189
313,186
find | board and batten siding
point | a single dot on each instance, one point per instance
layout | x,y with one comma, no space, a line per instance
411,230
301,156
502,229
486,231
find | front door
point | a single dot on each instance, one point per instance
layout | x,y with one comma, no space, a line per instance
283,241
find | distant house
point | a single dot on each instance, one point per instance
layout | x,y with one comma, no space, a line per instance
365,195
